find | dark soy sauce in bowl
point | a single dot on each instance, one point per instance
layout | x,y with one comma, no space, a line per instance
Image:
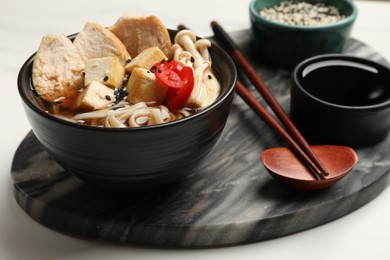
345,83
341,99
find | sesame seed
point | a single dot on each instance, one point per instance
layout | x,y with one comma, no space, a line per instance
302,13
209,76
192,59
121,93
105,78
108,97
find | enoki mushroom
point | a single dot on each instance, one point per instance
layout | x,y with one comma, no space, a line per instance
194,53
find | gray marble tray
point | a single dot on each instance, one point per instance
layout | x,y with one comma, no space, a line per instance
229,199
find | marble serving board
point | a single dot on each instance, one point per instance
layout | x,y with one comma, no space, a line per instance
228,199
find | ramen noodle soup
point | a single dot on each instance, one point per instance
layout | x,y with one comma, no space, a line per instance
128,75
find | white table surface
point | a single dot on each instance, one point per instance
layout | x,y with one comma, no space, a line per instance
362,234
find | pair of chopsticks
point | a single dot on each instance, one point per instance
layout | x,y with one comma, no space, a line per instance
294,139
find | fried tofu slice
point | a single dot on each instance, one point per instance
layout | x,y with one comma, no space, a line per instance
96,96
57,71
140,32
95,41
143,87
107,71
146,59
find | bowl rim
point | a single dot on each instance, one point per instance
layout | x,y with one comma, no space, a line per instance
344,22
24,71
345,57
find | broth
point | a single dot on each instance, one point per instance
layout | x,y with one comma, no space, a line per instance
345,83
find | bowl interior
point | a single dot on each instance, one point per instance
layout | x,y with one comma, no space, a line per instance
223,67
344,81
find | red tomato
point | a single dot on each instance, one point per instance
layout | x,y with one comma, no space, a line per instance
171,64
178,97
179,80
168,77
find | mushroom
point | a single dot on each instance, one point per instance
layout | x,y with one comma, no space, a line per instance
202,47
203,93
175,51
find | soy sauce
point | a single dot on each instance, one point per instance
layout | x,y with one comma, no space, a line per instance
345,83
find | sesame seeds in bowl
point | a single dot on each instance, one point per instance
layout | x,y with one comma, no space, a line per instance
287,32
302,13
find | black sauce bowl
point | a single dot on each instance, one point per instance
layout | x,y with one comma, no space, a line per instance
341,99
132,159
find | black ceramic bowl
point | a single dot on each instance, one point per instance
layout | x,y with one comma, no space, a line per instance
132,158
340,99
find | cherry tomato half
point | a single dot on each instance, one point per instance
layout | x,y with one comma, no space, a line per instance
168,77
171,64
179,81
177,98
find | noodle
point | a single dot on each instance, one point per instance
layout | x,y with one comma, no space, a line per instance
136,115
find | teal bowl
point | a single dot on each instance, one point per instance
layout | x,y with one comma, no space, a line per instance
288,45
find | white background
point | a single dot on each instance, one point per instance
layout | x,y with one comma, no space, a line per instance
363,234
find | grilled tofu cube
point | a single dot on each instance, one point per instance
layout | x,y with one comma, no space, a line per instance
146,59
107,71
143,87
96,96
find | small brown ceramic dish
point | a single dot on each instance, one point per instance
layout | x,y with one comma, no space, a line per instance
132,158
341,99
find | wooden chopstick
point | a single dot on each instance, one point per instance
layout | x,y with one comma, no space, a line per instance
247,96
296,141
256,106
